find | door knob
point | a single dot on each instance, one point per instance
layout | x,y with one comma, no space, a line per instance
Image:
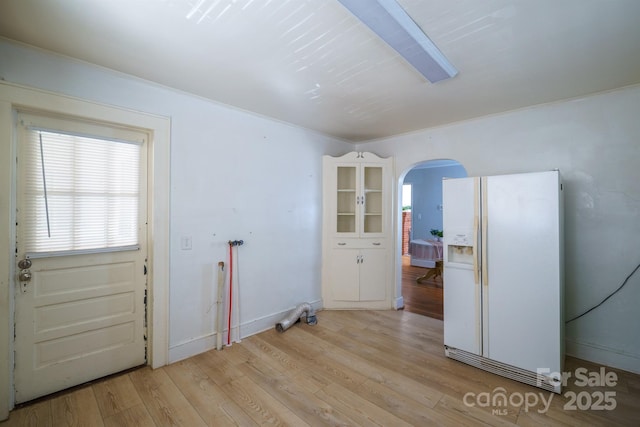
24,276
23,264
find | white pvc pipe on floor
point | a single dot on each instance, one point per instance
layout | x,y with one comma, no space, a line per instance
301,309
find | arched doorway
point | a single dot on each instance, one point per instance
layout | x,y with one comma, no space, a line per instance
421,247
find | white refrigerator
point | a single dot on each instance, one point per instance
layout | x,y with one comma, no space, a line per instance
503,275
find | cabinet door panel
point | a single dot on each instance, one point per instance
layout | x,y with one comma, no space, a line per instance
373,286
343,274
372,202
347,199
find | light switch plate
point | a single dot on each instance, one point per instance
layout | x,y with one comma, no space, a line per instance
185,243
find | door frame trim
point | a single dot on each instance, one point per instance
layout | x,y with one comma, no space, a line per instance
13,97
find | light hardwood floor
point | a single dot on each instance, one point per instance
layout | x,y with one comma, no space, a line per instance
424,298
383,368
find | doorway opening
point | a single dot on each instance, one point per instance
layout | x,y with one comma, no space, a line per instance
421,259
406,217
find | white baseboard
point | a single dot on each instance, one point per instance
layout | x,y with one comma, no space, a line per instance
603,355
192,347
207,342
399,303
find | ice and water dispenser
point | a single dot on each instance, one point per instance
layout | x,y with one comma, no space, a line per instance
460,248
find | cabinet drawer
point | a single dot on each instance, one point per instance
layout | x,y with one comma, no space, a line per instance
358,243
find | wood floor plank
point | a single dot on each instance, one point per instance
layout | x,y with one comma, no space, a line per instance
34,415
77,408
235,354
164,401
115,395
358,409
313,376
463,414
208,399
299,400
447,375
275,357
217,367
260,405
633,383
403,405
294,365
392,379
325,369
384,340
415,330
335,320
134,416
425,298
559,417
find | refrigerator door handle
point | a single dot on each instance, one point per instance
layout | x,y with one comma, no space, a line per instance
476,230
476,264
485,273
485,227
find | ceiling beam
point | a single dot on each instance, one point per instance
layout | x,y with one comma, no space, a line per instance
392,24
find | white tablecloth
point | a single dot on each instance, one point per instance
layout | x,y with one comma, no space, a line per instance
425,249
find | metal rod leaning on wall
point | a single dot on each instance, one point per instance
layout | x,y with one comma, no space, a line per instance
233,243
219,306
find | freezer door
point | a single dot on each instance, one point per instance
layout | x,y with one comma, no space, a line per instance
462,326
522,292
461,285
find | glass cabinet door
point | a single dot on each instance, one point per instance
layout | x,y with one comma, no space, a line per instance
372,212
346,199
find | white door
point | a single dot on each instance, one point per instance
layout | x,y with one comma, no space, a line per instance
373,275
523,258
81,253
462,279
344,277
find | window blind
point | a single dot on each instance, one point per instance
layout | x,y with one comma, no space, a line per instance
80,193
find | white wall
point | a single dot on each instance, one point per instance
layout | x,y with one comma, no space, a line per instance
234,175
595,142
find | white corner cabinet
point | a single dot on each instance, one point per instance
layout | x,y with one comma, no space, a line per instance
357,256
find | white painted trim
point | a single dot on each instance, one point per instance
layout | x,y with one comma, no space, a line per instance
606,356
194,346
7,193
207,342
19,97
399,303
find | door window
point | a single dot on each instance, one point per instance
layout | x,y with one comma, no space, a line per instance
81,193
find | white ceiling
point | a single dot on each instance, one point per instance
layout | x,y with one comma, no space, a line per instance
312,63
